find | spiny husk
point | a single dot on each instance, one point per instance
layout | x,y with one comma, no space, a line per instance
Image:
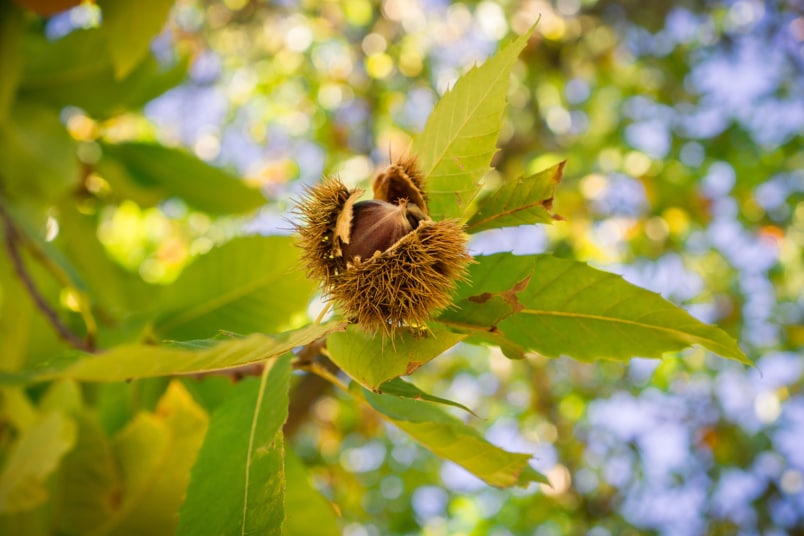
408,282
317,233
383,262
402,181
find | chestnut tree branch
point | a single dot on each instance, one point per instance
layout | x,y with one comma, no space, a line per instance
13,241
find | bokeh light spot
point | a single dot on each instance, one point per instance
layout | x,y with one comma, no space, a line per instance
767,406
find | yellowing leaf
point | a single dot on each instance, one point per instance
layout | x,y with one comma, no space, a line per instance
155,453
32,459
88,480
17,409
460,138
133,361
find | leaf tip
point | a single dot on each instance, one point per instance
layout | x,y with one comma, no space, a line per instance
558,174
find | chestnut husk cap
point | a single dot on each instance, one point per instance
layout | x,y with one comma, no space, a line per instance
383,261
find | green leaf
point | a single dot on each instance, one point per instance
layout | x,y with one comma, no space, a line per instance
155,453
526,200
114,291
373,360
307,512
76,70
449,438
38,155
135,361
16,317
238,483
32,459
129,27
401,388
88,480
12,30
251,284
149,173
28,336
17,410
486,298
563,307
460,137
63,395
34,522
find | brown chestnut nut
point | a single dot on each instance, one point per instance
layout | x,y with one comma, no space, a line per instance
377,225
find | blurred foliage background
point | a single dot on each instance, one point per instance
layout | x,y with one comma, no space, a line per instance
681,123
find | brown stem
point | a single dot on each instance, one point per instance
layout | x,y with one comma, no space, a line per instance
303,397
13,242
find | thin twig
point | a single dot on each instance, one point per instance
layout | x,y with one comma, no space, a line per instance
13,241
61,277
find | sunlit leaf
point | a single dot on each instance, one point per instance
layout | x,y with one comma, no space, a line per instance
113,290
35,455
149,173
456,146
238,483
155,453
129,27
38,155
522,201
62,395
251,284
453,440
76,71
566,308
373,360
17,410
401,388
307,512
133,361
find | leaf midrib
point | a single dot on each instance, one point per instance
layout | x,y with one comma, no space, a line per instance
683,335
508,212
467,118
250,450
